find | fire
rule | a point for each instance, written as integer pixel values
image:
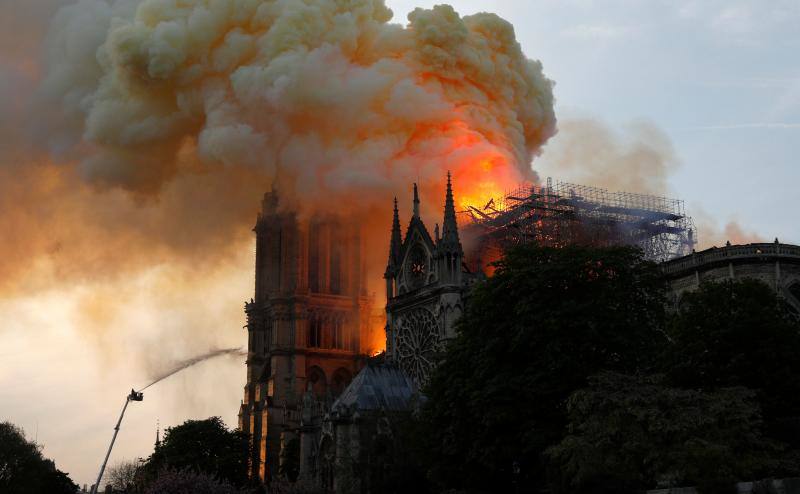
(484, 180)
(480, 194)
(374, 338)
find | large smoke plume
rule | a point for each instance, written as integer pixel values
(325, 94)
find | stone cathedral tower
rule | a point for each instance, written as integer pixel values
(305, 324)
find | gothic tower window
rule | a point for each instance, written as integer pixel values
(417, 266)
(313, 258)
(314, 332)
(336, 262)
(338, 334)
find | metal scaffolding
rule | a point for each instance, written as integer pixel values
(561, 213)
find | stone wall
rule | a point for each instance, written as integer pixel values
(776, 264)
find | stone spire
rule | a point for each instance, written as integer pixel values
(450, 240)
(416, 201)
(396, 241)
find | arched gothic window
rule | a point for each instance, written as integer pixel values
(316, 382)
(314, 331)
(341, 378)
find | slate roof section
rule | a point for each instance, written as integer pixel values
(380, 387)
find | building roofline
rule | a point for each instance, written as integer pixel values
(754, 252)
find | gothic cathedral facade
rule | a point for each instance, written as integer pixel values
(426, 284)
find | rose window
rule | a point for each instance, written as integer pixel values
(417, 341)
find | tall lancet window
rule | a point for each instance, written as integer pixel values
(313, 258)
(337, 246)
(314, 332)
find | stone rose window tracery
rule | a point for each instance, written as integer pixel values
(417, 341)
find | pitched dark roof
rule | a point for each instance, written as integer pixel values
(378, 387)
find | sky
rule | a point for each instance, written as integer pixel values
(721, 79)
(698, 100)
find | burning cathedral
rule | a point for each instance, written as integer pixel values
(315, 402)
(311, 387)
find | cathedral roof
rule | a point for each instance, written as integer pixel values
(378, 387)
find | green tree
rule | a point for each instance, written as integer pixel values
(202, 446)
(533, 334)
(23, 469)
(627, 434)
(740, 333)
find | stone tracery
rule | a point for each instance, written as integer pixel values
(418, 340)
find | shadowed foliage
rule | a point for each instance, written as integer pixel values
(739, 333)
(23, 469)
(188, 482)
(533, 334)
(203, 446)
(627, 434)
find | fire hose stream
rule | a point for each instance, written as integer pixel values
(139, 396)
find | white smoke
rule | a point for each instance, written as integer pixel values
(327, 91)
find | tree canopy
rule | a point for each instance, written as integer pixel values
(738, 333)
(533, 334)
(23, 468)
(629, 433)
(203, 446)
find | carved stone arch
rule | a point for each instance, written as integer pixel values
(316, 381)
(793, 290)
(680, 301)
(340, 380)
(440, 313)
(453, 313)
(793, 287)
(432, 277)
(327, 462)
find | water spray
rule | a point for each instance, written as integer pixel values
(139, 396)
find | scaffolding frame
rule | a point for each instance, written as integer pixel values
(561, 213)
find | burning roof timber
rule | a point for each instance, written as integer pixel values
(562, 213)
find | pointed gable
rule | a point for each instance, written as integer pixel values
(416, 232)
